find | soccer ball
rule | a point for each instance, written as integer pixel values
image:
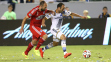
(86, 53)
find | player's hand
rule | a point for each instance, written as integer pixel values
(52, 12)
(21, 30)
(43, 25)
(84, 17)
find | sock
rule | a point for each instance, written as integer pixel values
(47, 46)
(30, 46)
(41, 41)
(63, 44)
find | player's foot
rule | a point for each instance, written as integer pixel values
(26, 56)
(67, 54)
(37, 52)
(41, 52)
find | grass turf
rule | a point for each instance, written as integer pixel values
(99, 53)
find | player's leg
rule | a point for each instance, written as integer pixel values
(62, 37)
(63, 44)
(30, 46)
(39, 33)
(51, 44)
(41, 41)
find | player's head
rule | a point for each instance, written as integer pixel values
(67, 8)
(105, 9)
(10, 7)
(60, 7)
(43, 5)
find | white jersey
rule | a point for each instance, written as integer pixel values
(57, 19)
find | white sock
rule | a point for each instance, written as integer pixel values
(65, 52)
(43, 49)
(63, 44)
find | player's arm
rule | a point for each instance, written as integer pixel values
(43, 21)
(47, 16)
(29, 15)
(49, 11)
(74, 14)
(22, 25)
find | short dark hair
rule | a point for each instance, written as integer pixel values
(42, 3)
(10, 6)
(105, 7)
(60, 5)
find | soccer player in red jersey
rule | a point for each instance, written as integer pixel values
(36, 15)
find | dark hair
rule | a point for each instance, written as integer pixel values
(10, 6)
(42, 3)
(105, 7)
(60, 5)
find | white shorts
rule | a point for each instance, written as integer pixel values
(55, 39)
(56, 32)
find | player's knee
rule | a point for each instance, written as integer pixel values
(34, 42)
(45, 36)
(55, 43)
(63, 37)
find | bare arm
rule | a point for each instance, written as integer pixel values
(74, 14)
(50, 11)
(43, 21)
(47, 16)
(23, 22)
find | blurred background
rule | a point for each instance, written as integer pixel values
(82, 34)
(93, 7)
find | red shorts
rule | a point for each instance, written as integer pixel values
(37, 32)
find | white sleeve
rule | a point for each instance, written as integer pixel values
(48, 16)
(67, 13)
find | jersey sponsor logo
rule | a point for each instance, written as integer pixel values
(69, 33)
(40, 17)
(59, 17)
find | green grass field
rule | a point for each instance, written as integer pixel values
(99, 53)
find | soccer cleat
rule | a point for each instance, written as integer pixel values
(37, 52)
(67, 54)
(41, 52)
(26, 56)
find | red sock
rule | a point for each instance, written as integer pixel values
(30, 46)
(41, 41)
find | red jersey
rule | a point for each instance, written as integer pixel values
(36, 16)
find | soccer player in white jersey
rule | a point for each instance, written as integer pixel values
(57, 19)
